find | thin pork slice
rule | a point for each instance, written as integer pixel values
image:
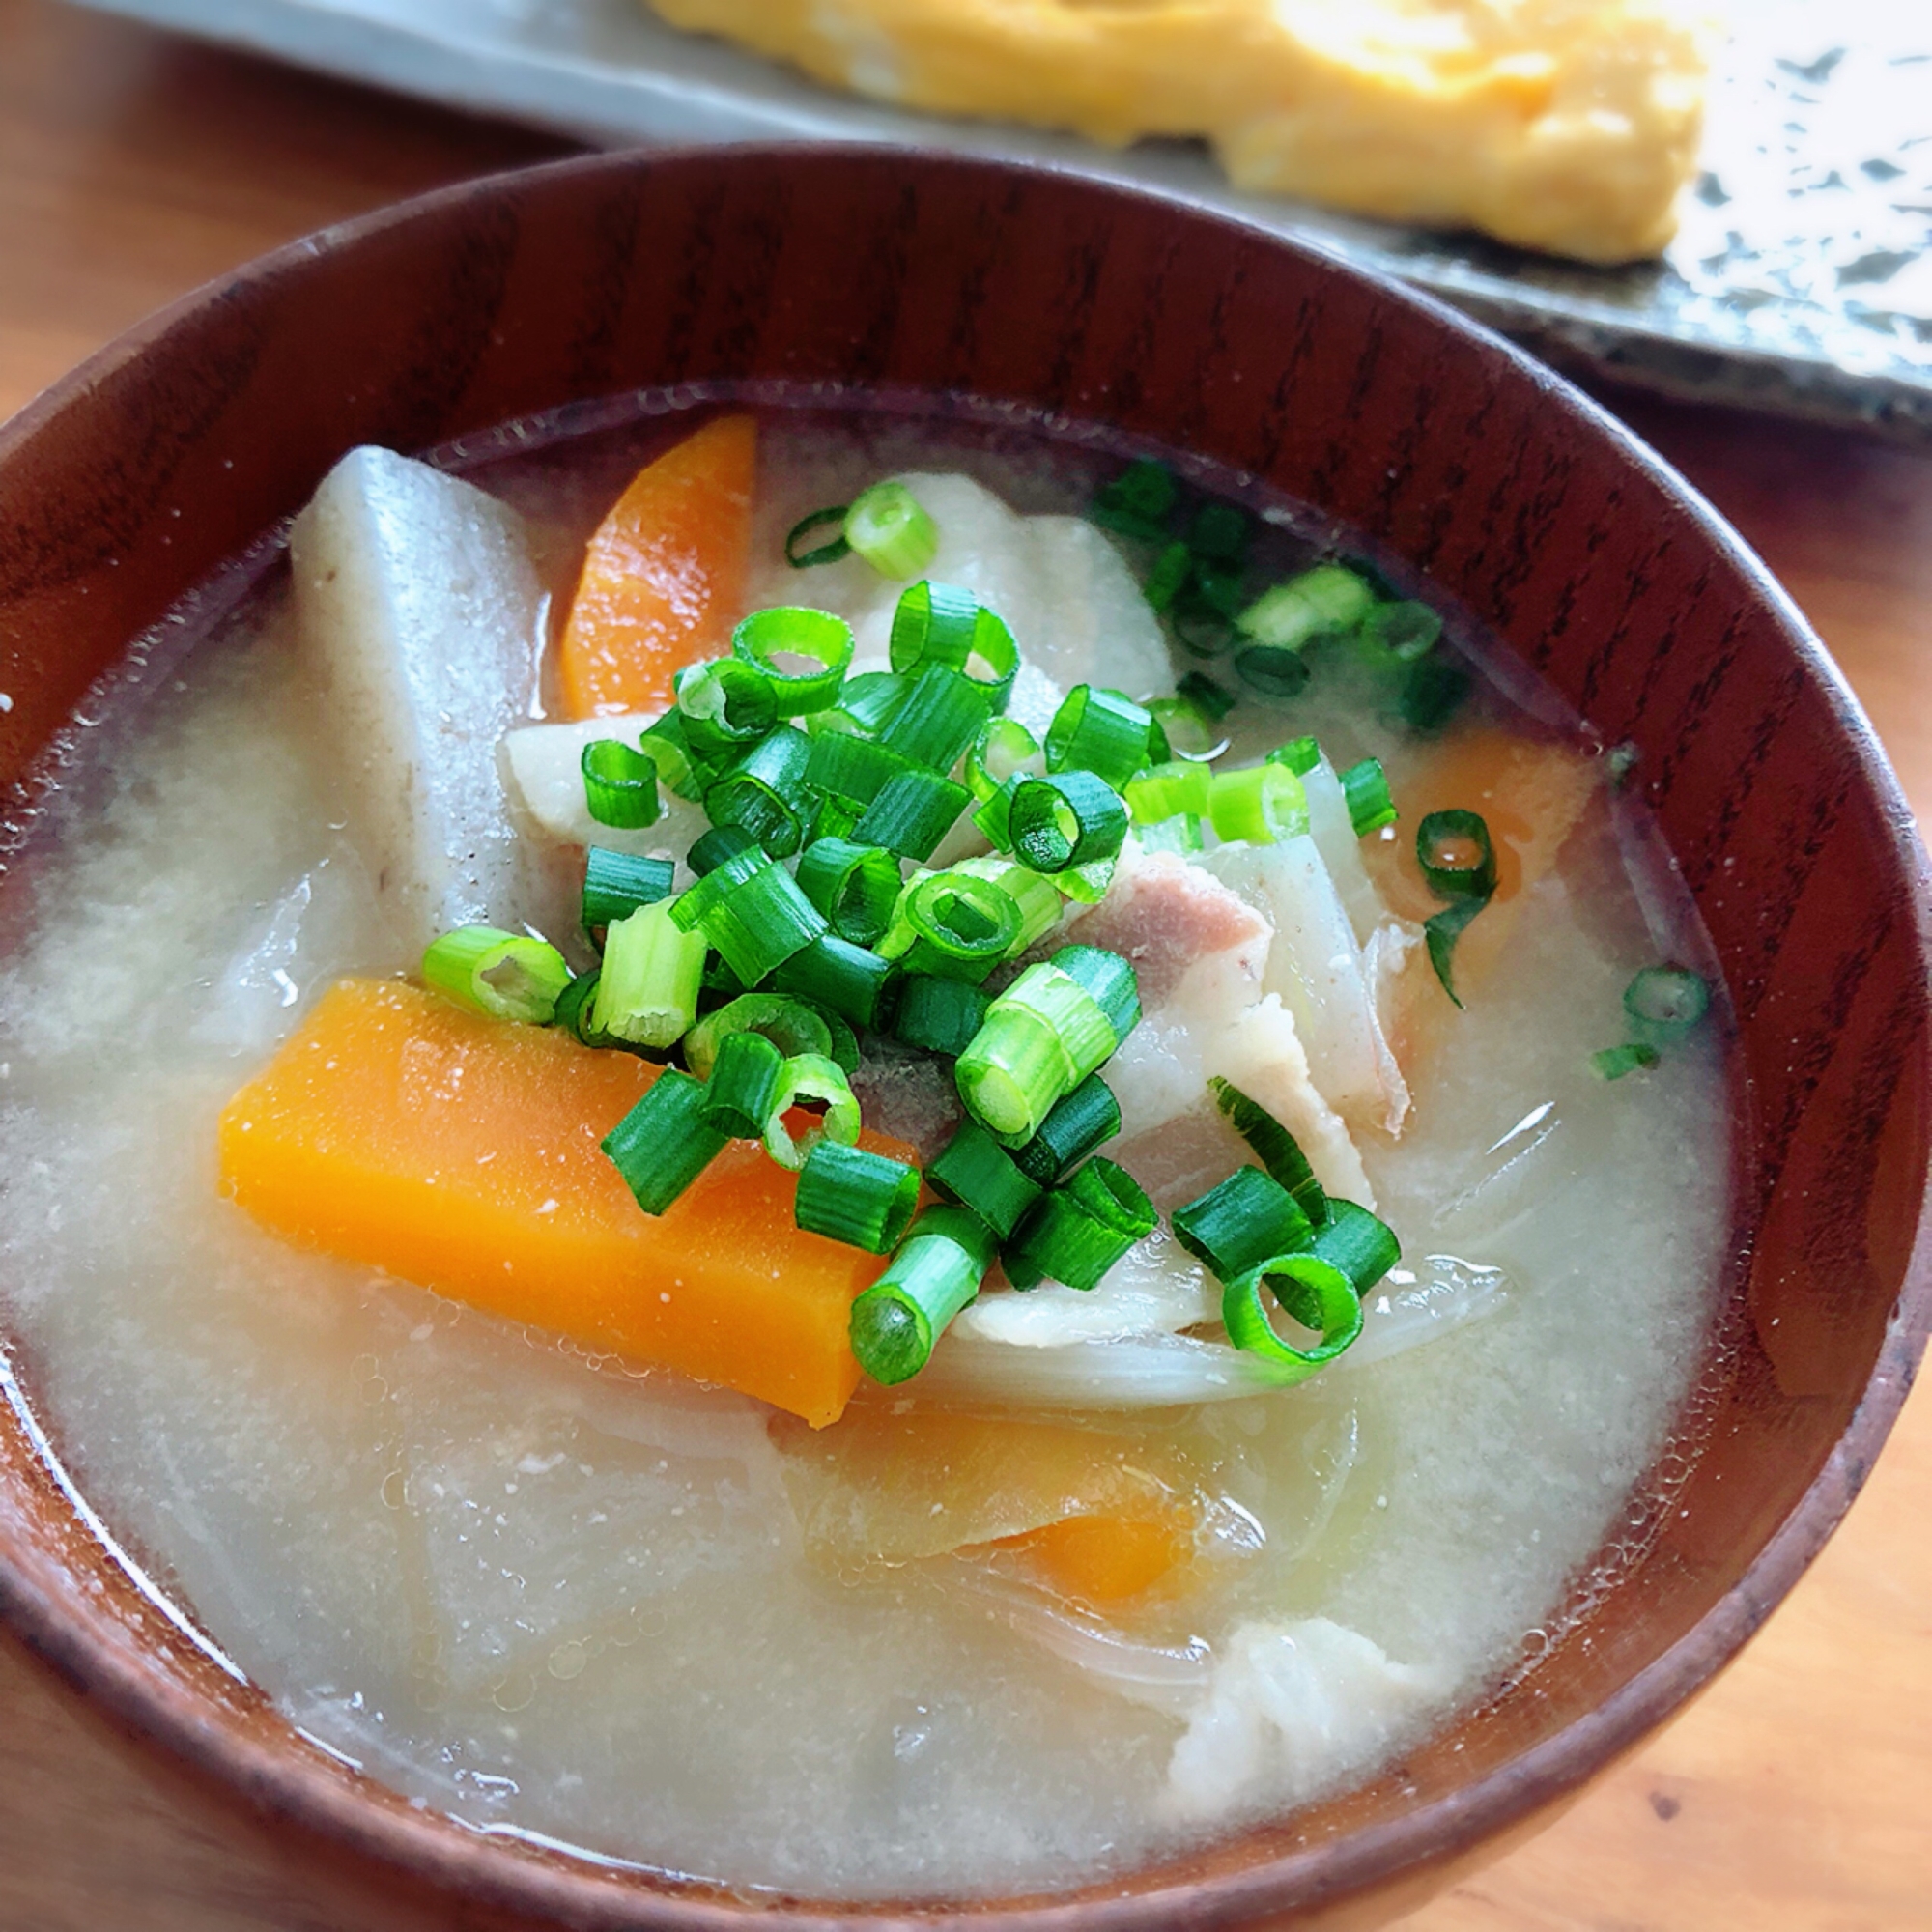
(422, 614)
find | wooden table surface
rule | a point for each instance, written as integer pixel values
(1795, 1797)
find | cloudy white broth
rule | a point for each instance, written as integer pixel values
(837, 1603)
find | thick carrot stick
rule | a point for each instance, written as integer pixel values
(463, 1154)
(664, 578)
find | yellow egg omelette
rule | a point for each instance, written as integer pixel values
(1569, 125)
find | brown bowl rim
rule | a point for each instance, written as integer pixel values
(304, 1786)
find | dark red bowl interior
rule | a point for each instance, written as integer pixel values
(947, 282)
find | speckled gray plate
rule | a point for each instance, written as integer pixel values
(1801, 281)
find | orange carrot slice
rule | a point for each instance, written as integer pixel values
(1100, 1518)
(461, 1152)
(664, 578)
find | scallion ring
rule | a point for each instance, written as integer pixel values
(1314, 1292)
(936, 1272)
(1614, 1062)
(847, 1194)
(1081, 1229)
(1065, 820)
(648, 984)
(1242, 1222)
(810, 1077)
(1458, 861)
(1365, 787)
(953, 925)
(806, 525)
(620, 785)
(764, 792)
(726, 705)
(912, 813)
(1262, 804)
(664, 1143)
(891, 531)
(745, 1087)
(1100, 731)
(508, 975)
(1003, 747)
(1667, 1001)
(854, 886)
(615, 884)
(804, 653)
(1278, 1150)
(790, 1025)
(975, 1171)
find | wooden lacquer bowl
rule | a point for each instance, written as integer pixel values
(939, 282)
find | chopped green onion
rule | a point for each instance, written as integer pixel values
(1459, 864)
(718, 983)
(913, 811)
(620, 786)
(812, 1076)
(1366, 789)
(1300, 755)
(944, 712)
(1279, 1152)
(1457, 858)
(1362, 1245)
(1100, 731)
(1056, 1023)
(1667, 1001)
(995, 818)
(1088, 885)
(727, 705)
(1614, 1062)
(854, 886)
(1432, 693)
(1220, 533)
(890, 528)
(851, 767)
(1036, 898)
(764, 792)
(727, 868)
(766, 639)
(1065, 820)
(711, 849)
(1316, 1294)
(1260, 804)
(792, 1026)
(573, 1012)
(936, 1272)
(615, 884)
(1171, 571)
(940, 1015)
(508, 975)
(1139, 500)
(669, 749)
(1406, 630)
(1181, 833)
(865, 704)
(1001, 749)
(664, 1143)
(1088, 1117)
(977, 1171)
(1206, 696)
(647, 991)
(844, 1048)
(745, 1086)
(1271, 671)
(1243, 1221)
(833, 972)
(952, 926)
(1180, 786)
(1186, 731)
(1109, 981)
(1081, 1229)
(846, 1194)
(833, 818)
(940, 625)
(1319, 603)
(755, 915)
(825, 553)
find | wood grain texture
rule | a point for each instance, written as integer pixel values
(130, 169)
